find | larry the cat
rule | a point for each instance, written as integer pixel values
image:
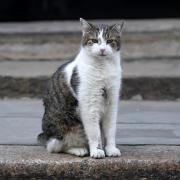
(81, 100)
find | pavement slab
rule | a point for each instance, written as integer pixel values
(139, 122)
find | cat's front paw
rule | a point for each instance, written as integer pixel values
(97, 153)
(112, 151)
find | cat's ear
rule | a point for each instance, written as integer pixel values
(118, 27)
(86, 27)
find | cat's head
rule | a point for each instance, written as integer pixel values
(101, 40)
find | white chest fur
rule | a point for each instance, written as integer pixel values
(99, 73)
(96, 75)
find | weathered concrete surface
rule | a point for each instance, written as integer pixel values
(136, 162)
(138, 122)
(58, 40)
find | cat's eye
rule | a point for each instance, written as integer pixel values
(94, 40)
(109, 41)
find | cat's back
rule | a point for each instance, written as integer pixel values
(58, 91)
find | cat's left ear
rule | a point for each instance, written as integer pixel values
(86, 26)
(118, 27)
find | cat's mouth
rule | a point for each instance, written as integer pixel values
(102, 54)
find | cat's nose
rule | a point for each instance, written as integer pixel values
(102, 51)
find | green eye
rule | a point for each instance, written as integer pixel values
(109, 41)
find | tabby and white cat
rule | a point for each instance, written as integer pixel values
(81, 101)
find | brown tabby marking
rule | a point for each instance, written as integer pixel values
(108, 33)
(60, 116)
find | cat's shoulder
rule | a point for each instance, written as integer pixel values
(63, 66)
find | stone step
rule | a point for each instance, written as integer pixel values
(142, 39)
(139, 122)
(153, 79)
(136, 162)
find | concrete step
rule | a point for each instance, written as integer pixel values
(136, 162)
(139, 122)
(148, 79)
(142, 39)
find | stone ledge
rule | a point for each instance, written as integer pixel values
(136, 162)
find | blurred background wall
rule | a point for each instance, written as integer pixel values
(30, 10)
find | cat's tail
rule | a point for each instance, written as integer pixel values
(42, 139)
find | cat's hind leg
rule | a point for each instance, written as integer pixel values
(75, 143)
(54, 145)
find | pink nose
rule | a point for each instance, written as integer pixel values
(102, 51)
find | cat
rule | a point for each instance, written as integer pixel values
(82, 96)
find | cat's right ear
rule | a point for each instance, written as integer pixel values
(118, 27)
(86, 27)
